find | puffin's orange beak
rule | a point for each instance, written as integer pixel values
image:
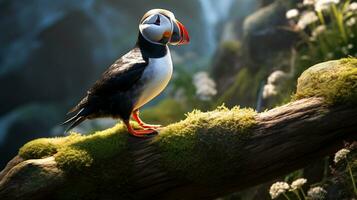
(180, 34)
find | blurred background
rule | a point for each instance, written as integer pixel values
(242, 52)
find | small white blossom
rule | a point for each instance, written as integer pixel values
(350, 46)
(318, 30)
(274, 79)
(353, 7)
(308, 2)
(306, 19)
(278, 188)
(291, 14)
(269, 91)
(205, 86)
(351, 22)
(322, 5)
(298, 183)
(341, 154)
(317, 193)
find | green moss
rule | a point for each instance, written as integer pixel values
(194, 147)
(232, 46)
(102, 161)
(76, 151)
(335, 81)
(72, 159)
(36, 149)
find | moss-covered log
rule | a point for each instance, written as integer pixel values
(207, 155)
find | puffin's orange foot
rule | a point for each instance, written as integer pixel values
(141, 123)
(138, 133)
(141, 133)
(150, 126)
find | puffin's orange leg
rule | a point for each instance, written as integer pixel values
(137, 133)
(141, 123)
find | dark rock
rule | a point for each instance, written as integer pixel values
(59, 69)
(265, 36)
(226, 65)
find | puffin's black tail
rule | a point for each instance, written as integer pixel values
(76, 119)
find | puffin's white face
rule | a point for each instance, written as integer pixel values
(160, 26)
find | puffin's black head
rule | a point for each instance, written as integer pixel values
(160, 26)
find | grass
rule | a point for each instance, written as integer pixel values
(336, 41)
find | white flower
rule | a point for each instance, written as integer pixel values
(269, 91)
(274, 79)
(350, 46)
(308, 2)
(317, 193)
(298, 183)
(351, 22)
(293, 13)
(276, 76)
(353, 7)
(306, 19)
(205, 86)
(341, 154)
(318, 30)
(322, 5)
(278, 188)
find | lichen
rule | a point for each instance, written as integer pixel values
(76, 151)
(205, 142)
(335, 81)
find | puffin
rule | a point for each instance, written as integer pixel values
(135, 78)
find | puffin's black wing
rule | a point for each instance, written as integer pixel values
(119, 77)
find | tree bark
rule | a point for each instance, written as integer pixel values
(285, 139)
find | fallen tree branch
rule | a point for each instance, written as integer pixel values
(204, 157)
(284, 139)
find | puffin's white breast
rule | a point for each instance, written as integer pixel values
(155, 78)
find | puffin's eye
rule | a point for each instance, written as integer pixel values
(157, 22)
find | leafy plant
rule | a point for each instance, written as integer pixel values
(327, 30)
